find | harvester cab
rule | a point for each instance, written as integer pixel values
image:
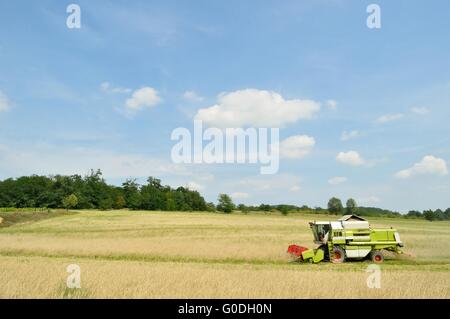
(321, 231)
(350, 237)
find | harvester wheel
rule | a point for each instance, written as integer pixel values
(377, 256)
(338, 255)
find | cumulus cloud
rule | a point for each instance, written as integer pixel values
(332, 104)
(142, 98)
(346, 136)
(107, 88)
(337, 180)
(240, 195)
(350, 158)
(4, 102)
(389, 118)
(258, 108)
(192, 97)
(297, 146)
(420, 110)
(295, 188)
(429, 165)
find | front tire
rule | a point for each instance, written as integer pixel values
(338, 255)
(377, 257)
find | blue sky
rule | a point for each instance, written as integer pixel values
(384, 139)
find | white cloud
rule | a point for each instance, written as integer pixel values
(369, 200)
(240, 195)
(4, 102)
(107, 88)
(346, 136)
(144, 97)
(332, 104)
(258, 108)
(350, 158)
(389, 118)
(296, 146)
(195, 186)
(192, 97)
(337, 180)
(420, 110)
(295, 188)
(429, 165)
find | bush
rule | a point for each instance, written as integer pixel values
(225, 204)
(70, 201)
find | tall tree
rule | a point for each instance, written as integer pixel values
(335, 206)
(351, 207)
(131, 193)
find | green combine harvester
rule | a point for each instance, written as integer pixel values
(348, 238)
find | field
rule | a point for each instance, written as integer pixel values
(126, 254)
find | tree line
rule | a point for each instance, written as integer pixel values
(335, 206)
(92, 192)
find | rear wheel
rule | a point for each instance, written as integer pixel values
(377, 257)
(338, 255)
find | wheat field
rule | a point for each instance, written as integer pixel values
(125, 254)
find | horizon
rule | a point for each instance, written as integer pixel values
(237, 203)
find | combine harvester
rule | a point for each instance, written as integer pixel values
(350, 237)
